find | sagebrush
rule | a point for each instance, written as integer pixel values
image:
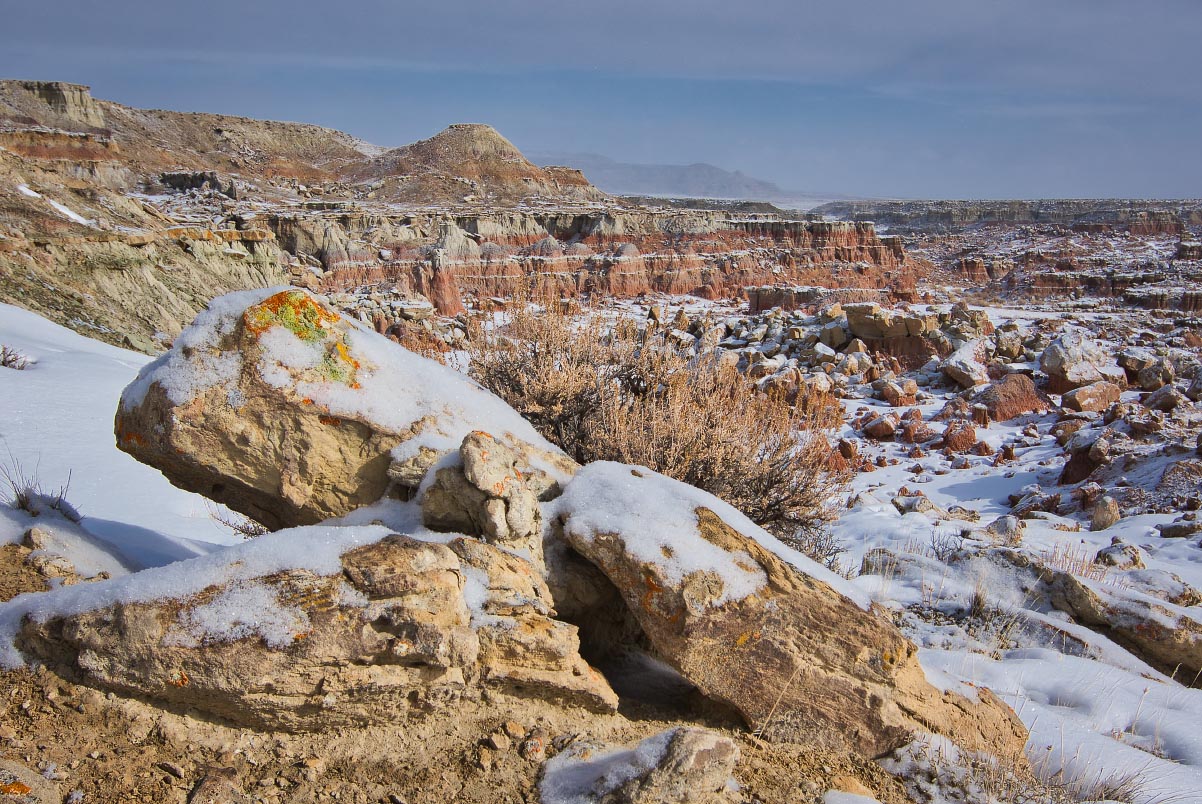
(625, 393)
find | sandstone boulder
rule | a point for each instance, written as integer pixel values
(390, 626)
(1105, 512)
(1011, 397)
(963, 366)
(1092, 398)
(1073, 360)
(789, 644)
(960, 436)
(274, 404)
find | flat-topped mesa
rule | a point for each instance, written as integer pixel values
(71, 103)
(615, 252)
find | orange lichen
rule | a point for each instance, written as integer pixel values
(14, 789)
(294, 310)
(180, 679)
(333, 421)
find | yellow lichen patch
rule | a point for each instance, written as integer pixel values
(294, 310)
(14, 789)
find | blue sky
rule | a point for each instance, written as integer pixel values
(922, 98)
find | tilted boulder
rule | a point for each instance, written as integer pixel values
(392, 626)
(1165, 635)
(758, 626)
(963, 366)
(274, 404)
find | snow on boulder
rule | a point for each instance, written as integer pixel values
(315, 628)
(791, 645)
(1072, 361)
(963, 367)
(274, 404)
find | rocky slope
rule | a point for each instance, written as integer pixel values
(492, 567)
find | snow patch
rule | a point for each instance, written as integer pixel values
(582, 775)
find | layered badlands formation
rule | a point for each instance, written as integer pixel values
(101, 203)
(612, 252)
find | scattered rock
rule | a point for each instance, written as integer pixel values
(963, 366)
(1120, 556)
(1105, 512)
(1011, 397)
(1180, 528)
(1093, 398)
(881, 427)
(1072, 360)
(1165, 399)
(960, 436)
(1006, 529)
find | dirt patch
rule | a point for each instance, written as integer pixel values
(15, 575)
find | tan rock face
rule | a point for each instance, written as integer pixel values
(408, 627)
(795, 657)
(284, 410)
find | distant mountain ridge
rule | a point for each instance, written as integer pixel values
(699, 180)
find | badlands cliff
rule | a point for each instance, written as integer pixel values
(121, 222)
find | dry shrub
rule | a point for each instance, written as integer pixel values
(11, 358)
(624, 394)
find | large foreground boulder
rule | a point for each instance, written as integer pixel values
(274, 404)
(789, 644)
(320, 628)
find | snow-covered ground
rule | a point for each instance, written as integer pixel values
(57, 425)
(1095, 710)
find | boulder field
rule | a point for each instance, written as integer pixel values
(433, 550)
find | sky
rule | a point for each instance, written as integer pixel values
(878, 98)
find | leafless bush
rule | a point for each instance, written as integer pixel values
(24, 492)
(240, 525)
(624, 394)
(11, 358)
